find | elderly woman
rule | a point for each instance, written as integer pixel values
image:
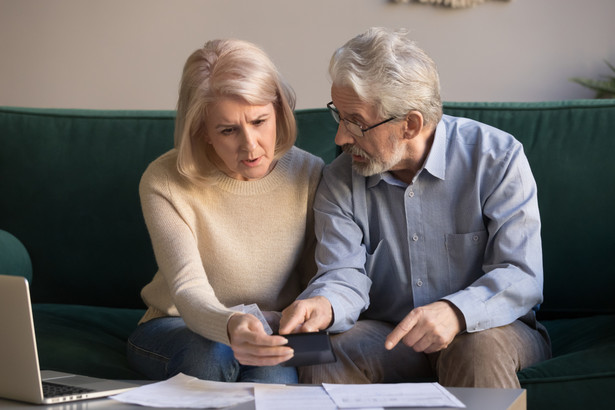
(229, 213)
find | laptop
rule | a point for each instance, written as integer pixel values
(20, 376)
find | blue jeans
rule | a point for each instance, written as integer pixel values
(164, 347)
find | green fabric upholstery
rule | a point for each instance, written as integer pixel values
(73, 179)
(583, 361)
(71, 220)
(87, 335)
(14, 257)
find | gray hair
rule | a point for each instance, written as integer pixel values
(386, 69)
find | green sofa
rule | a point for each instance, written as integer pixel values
(70, 221)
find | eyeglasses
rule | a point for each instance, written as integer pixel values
(352, 127)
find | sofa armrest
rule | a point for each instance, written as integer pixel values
(14, 257)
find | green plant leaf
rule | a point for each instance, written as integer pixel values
(596, 85)
(603, 88)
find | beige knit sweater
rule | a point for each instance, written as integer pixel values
(229, 243)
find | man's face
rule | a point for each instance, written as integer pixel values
(379, 149)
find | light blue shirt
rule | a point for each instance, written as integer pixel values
(467, 230)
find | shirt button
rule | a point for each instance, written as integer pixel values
(475, 238)
(415, 237)
(419, 283)
(411, 194)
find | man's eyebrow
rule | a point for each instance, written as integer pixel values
(355, 116)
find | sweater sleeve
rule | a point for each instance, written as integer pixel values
(181, 274)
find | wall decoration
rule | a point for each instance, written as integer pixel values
(447, 3)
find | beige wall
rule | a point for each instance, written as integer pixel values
(128, 54)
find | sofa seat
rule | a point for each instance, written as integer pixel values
(92, 338)
(583, 357)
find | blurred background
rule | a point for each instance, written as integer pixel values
(128, 54)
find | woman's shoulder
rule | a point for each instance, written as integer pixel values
(163, 170)
(164, 161)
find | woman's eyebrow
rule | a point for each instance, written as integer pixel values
(229, 124)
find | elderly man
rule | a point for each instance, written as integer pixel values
(429, 249)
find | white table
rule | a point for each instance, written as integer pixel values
(473, 398)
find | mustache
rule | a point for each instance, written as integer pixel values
(354, 150)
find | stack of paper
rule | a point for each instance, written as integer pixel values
(184, 391)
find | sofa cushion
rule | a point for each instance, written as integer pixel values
(583, 360)
(85, 340)
(71, 179)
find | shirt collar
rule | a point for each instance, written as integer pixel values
(435, 163)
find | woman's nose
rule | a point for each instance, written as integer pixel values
(249, 139)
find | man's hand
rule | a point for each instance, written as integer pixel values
(252, 345)
(306, 315)
(428, 328)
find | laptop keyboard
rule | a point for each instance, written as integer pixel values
(56, 390)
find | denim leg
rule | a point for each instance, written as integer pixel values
(164, 347)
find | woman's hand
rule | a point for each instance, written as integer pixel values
(252, 346)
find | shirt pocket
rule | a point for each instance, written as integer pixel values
(465, 254)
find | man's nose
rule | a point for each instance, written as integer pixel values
(342, 136)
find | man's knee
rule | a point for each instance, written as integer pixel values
(362, 358)
(487, 358)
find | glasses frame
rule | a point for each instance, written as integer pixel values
(336, 116)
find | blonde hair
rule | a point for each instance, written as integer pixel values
(227, 68)
(388, 70)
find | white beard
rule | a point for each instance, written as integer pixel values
(373, 165)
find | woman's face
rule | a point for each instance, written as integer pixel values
(243, 136)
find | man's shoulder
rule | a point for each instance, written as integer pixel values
(340, 168)
(341, 162)
(471, 134)
(305, 158)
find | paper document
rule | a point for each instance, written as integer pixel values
(280, 397)
(253, 309)
(354, 396)
(183, 391)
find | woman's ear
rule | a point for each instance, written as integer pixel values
(414, 124)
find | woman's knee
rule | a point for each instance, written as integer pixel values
(167, 347)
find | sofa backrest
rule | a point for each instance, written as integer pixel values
(69, 178)
(69, 191)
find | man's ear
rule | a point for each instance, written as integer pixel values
(414, 124)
